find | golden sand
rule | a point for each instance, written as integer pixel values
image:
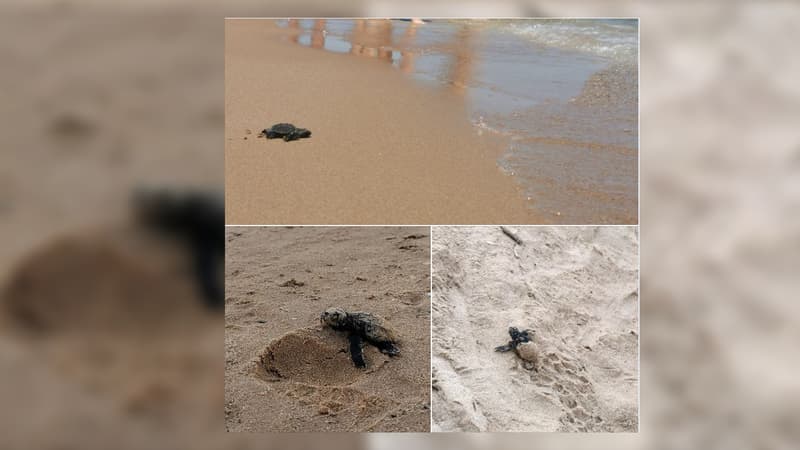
(384, 150)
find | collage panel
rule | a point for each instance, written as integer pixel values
(342, 127)
(535, 328)
(442, 121)
(327, 329)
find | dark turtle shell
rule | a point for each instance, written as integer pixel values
(286, 131)
(282, 129)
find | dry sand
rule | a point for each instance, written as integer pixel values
(283, 370)
(104, 342)
(104, 330)
(577, 288)
(383, 151)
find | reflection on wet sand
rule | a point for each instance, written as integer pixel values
(463, 60)
(318, 34)
(294, 25)
(374, 38)
(407, 57)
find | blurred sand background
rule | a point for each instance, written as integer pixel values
(284, 371)
(577, 288)
(719, 163)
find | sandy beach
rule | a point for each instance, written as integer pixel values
(468, 122)
(384, 150)
(577, 288)
(284, 371)
(144, 84)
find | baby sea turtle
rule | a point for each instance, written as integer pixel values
(361, 327)
(522, 344)
(286, 131)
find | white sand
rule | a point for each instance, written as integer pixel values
(577, 287)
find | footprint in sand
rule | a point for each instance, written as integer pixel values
(572, 387)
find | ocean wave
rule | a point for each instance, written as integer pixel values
(615, 39)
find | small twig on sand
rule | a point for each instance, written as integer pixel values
(510, 234)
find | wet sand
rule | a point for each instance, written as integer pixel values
(561, 95)
(384, 150)
(284, 371)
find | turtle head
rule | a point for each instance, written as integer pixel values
(333, 317)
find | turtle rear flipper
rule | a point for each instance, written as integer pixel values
(503, 348)
(356, 352)
(297, 134)
(388, 348)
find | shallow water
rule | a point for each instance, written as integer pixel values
(562, 93)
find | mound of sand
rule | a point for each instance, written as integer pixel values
(316, 356)
(577, 288)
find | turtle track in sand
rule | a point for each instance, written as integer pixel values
(567, 379)
(577, 288)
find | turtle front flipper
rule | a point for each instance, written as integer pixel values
(504, 348)
(356, 352)
(388, 348)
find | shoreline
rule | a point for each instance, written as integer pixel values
(565, 114)
(419, 161)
